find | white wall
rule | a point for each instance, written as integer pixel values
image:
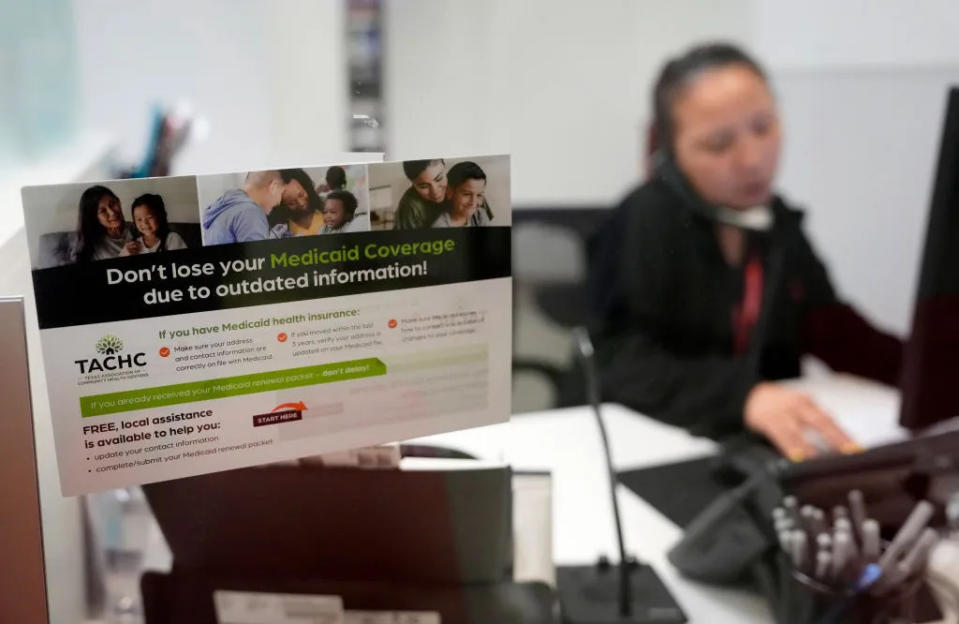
(270, 77)
(564, 87)
(559, 85)
(863, 86)
(861, 156)
(856, 33)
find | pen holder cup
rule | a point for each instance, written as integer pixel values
(821, 603)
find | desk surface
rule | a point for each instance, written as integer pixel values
(567, 443)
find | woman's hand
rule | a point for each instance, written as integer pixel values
(132, 247)
(784, 415)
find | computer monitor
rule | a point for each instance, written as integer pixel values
(23, 592)
(930, 374)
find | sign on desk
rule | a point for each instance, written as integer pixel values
(203, 323)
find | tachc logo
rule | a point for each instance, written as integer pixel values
(110, 346)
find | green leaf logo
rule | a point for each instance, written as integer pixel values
(109, 344)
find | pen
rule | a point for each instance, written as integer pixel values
(917, 557)
(910, 565)
(784, 524)
(799, 545)
(791, 505)
(839, 512)
(857, 511)
(870, 540)
(853, 548)
(823, 563)
(807, 514)
(908, 532)
(824, 542)
(819, 521)
(840, 556)
(784, 541)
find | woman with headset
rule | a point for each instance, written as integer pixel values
(707, 290)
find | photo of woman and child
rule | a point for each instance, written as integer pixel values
(306, 210)
(284, 203)
(435, 194)
(103, 232)
(87, 222)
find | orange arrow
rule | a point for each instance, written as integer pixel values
(294, 406)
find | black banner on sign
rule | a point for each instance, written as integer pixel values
(264, 272)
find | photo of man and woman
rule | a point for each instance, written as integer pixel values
(428, 193)
(283, 203)
(88, 222)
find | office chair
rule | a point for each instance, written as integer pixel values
(550, 297)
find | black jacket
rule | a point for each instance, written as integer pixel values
(664, 299)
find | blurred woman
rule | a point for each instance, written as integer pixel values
(707, 289)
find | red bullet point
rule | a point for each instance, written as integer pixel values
(164, 352)
(281, 337)
(392, 323)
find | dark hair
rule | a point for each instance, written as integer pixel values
(461, 172)
(347, 199)
(306, 182)
(89, 229)
(335, 178)
(413, 168)
(280, 213)
(155, 204)
(679, 71)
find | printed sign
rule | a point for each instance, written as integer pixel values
(197, 324)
